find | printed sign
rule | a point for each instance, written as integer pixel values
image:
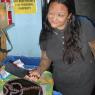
(25, 6)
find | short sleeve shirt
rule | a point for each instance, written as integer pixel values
(54, 46)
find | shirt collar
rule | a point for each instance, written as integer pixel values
(60, 32)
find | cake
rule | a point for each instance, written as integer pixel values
(21, 87)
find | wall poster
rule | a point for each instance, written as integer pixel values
(25, 6)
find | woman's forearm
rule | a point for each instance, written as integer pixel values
(44, 65)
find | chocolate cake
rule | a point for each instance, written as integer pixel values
(21, 87)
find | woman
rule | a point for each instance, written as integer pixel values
(64, 42)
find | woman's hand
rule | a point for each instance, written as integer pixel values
(33, 75)
(44, 65)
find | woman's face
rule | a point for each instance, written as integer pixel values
(58, 15)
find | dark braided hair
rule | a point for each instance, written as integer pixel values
(72, 51)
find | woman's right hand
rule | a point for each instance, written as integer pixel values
(33, 75)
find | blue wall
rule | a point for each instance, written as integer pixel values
(25, 34)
